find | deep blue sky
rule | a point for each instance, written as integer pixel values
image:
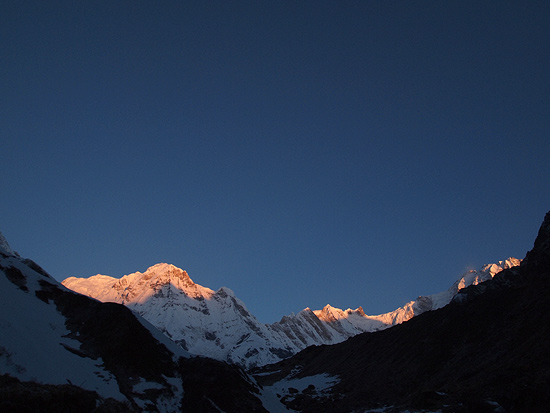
(300, 153)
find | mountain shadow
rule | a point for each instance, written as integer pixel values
(489, 350)
(50, 337)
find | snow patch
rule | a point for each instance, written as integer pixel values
(321, 383)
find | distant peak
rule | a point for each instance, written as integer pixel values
(168, 270)
(328, 309)
(224, 291)
(329, 313)
(495, 268)
(163, 267)
(5, 247)
(360, 311)
(510, 262)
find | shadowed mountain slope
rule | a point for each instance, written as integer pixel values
(63, 351)
(489, 350)
(217, 324)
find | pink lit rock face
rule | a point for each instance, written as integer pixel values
(217, 324)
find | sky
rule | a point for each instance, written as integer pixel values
(357, 153)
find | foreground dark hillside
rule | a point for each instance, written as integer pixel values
(489, 350)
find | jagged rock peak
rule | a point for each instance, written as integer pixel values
(329, 313)
(540, 254)
(495, 268)
(359, 311)
(5, 247)
(542, 242)
(328, 309)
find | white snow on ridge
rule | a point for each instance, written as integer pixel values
(441, 299)
(217, 324)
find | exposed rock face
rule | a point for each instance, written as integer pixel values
(539, 257)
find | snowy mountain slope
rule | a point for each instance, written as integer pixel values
(204, 322)
(35, 344)
(50, 335)
(439, 300)
(217, 324)
(58, 347)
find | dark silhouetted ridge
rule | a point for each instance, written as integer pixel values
(489, 350)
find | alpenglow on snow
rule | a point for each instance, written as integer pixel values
(217, 324)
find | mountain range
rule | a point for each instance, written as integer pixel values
(488, 349)
(217, 324)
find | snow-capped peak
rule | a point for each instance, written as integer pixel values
(5, 247)
(168, 270)
(493, 269)
(474, 277)
(163, 273)
(159, 280)
(329, 313)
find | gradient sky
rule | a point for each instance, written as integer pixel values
(357, 153)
